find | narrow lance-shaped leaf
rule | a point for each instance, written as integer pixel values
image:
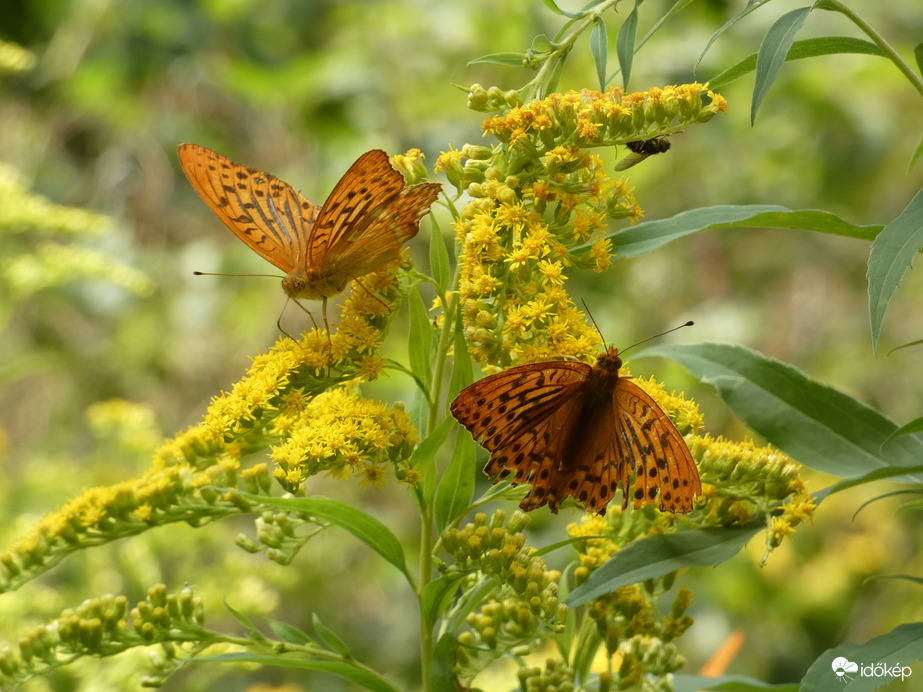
(807, 48)
(438, 257)
(811, 422)
(625, 43)
(650, 235)
(366, 528)
(457, 484)
(772, 53)
(891, 256)
(420, 340)
(599, 49)
(654, 556)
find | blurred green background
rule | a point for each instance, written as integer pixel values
(300, 90)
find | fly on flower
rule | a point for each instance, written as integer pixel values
(641, 149)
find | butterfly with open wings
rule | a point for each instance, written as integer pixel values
(568, 428)
(368, 216)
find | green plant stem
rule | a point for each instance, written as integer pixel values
(446, 339)
(877, 39)
(565, 44)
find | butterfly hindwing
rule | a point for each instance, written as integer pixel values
(655, 450)
(263, 211)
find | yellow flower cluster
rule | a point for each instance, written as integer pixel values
(342, 434)
(590, 118)
(535, 199)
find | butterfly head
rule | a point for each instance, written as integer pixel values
(313, 285)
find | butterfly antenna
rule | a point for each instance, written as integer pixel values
(638, 343)
(593, 320)
(270, 276)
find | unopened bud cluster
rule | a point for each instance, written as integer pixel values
(276, 534)
(489, 548)
(103, 627)
(556, 677)
(630, 612)
(648, 661)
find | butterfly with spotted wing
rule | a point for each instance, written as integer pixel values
(368, 216)
(568, 428)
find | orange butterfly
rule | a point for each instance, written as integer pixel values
(361, 227)
(572, 429)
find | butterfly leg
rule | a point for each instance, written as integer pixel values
(329, 339)
(356, 279)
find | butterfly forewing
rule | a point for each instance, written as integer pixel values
(368, 216)
(263, 211)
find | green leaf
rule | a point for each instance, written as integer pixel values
(918, 56)
(907, 345)
(361, 676)
(650, 235)
(424, 456)
(509, 59)
(654, 556)
(442, 667)
(550, 4)
(437, 593)
(727, 683)
(291, 634)
(462, 374)
(241, 618)
(599, 49)
(811, 422)
(329, 638)
(420, 340)
(772, 53)
(554, 78)
(912, 428)
(904, 577)
(625, 44)
(891, 256)
(915, 156)
(899, 647)
(457, 485)
(872, 476)
(366, 528)
(439, 258)
(751, 6)
(808, 48)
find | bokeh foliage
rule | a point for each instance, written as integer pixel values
(301, 89)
